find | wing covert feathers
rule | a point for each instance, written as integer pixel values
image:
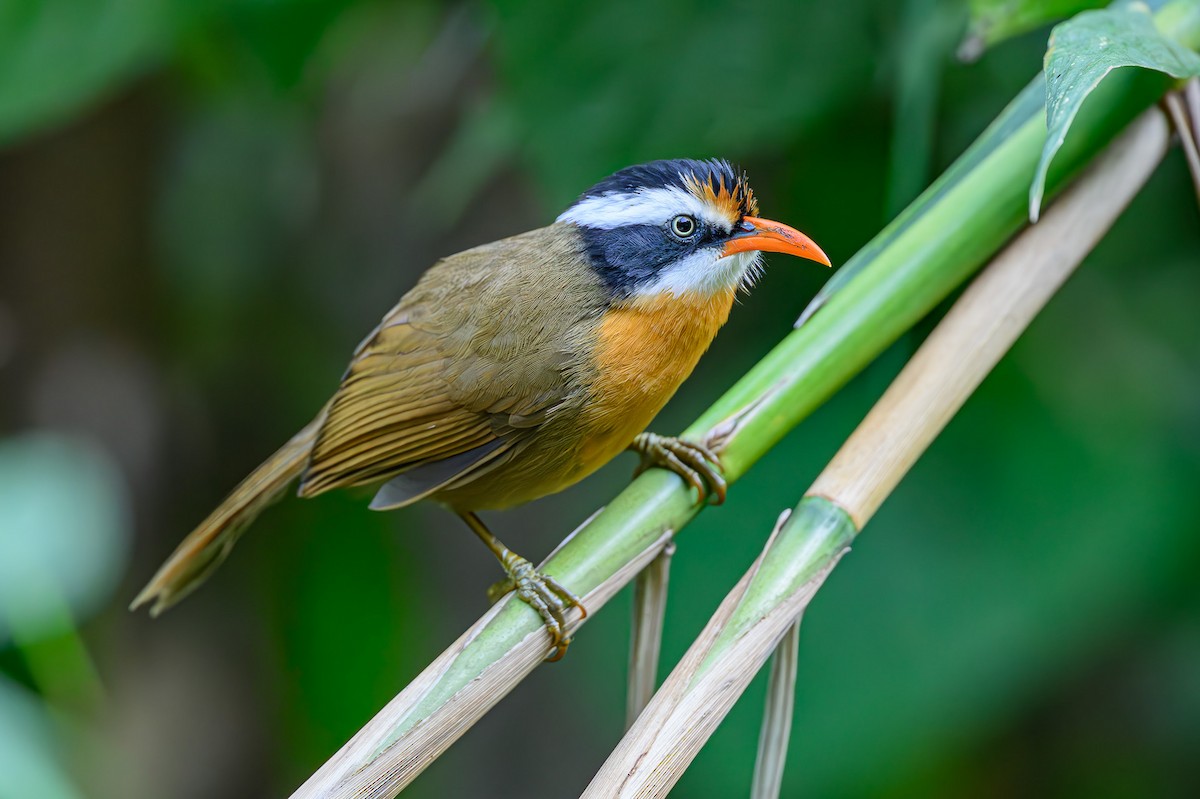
(393, 411)
(454, 383)
(455, 377)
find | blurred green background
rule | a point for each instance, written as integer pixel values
(204, 206)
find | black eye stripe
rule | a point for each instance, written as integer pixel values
(630, 255)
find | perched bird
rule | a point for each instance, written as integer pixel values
(514, 369)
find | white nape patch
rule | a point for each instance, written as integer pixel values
(641, 207)
(705, 272)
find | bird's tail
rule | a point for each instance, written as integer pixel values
(199, 555)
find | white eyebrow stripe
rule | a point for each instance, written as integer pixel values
(642, 207)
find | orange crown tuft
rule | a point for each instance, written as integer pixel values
(735, 201)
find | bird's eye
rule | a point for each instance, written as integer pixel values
(683, 226)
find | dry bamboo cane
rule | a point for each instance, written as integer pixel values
(649, 612)
(1183, 107)
(1191, 96)
(777, 717)
(947, 368)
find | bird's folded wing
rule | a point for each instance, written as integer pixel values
(417, 397)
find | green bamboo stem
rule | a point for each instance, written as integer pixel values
(947, 368)
(944, 236)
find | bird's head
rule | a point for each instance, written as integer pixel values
(679, 226)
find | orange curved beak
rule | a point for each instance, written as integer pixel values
(766, 236)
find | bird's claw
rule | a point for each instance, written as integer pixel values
(697, 464)
(550, 598)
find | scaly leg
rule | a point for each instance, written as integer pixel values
(542, 592)
(697, 464)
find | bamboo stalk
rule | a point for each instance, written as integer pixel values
(984, 323)
(947, 368)
(649, 612)
(777, 717)
(728, 653)
(399, 742)
(893, 281)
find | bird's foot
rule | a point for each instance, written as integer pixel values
(543, 593)
(697, 464)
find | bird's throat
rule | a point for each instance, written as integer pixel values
(645, 348)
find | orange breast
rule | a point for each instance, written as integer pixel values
(644, 351)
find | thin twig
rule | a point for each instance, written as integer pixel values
(950, 364)
(649, 611)
(1189, 135)
(777, 717)
(1191, 96)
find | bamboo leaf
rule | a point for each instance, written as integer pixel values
(993, 21)
(29, 760)
(108, 44)
(1083, 51)
(62, 558)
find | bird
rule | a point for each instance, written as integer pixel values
(513, 370)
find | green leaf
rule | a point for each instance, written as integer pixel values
(993, 21)
(660, 82)
(1085, 49)
(64, 532)
(57, 55)
(927, 30)
(29, 762)
(284, 36)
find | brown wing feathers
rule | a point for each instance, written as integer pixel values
(455, 377)
(450, 386)
(393, 411)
